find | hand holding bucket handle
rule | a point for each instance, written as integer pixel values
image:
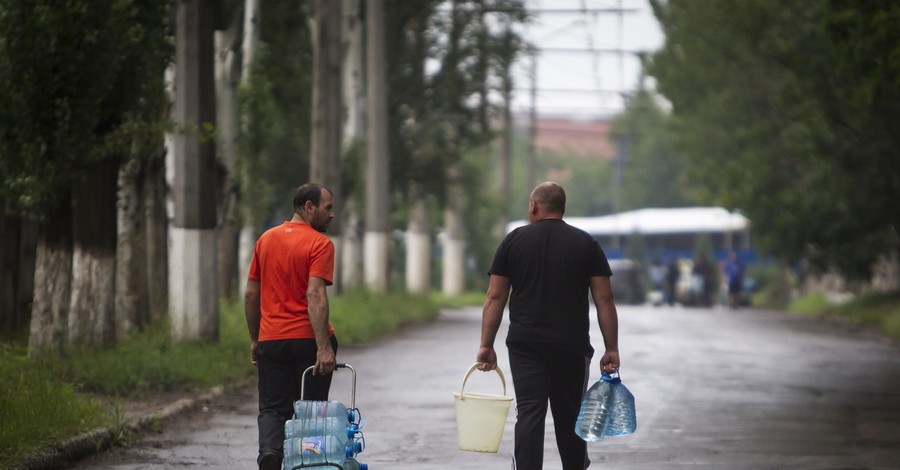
(472, 369)
(481, 417)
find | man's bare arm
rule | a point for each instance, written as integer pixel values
(602, 293)
(317, 302)
(253, 314)
(492, 314)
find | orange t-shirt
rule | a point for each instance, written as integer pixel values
(285, 258)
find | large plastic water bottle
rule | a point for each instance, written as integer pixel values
(622, 416)
(306, 409)
(353, 464)
(593, 417)
(316, 450)
(338, 427)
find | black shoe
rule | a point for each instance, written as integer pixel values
(270, 461)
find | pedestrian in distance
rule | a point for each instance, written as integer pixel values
(549, 266)
(734, 273)
(286, 305)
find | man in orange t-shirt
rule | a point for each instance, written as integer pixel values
(286, 306)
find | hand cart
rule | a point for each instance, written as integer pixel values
(352, 407)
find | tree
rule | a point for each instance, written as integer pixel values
(75, 81)
(652, 169)
(785, 110)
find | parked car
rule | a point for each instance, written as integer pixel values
(628, 283)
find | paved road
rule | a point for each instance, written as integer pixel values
(714, 389)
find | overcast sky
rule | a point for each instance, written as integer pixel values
(569, 83)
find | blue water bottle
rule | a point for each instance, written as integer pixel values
(622, 416)
(593, 417)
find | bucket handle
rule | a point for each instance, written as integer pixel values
(472, 369)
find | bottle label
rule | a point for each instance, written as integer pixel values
(313, 445)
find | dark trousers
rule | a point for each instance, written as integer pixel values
(545, 372)
(280, 364)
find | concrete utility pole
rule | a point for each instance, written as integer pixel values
(376, 242)
(193, 297)
(327, 146)
(353, 85)
(249, 228)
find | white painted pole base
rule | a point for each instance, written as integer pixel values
(418, 262)
(351, 262)
(453, 278)
(193, 290)
(376, 246)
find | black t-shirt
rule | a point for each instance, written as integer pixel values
(549, 264)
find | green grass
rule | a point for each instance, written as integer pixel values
(467, 299)
(360, 316)
(812, 304)
(54, 398)
(881, 310)
(38, 408)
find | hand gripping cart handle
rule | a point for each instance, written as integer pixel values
(352, 406)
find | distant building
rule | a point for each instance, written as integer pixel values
(585, 139)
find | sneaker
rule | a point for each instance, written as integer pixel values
(270, 461)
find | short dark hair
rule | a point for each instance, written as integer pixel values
(308, 192)
(551, 196)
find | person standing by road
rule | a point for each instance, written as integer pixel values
(549, 266)
(286, 306)
(734, 273)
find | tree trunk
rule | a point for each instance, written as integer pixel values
(228, 75)
(327, 148)
(157, 237)
(131, 298)
(418, 243)
(10, 240)
(193, 297)
(249, 226)
(453, 279)
(353, 85)
(377, 236)
(92, 302)
(52, 284)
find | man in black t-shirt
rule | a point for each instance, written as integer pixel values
(549, 266)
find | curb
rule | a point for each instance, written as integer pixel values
(64, 453)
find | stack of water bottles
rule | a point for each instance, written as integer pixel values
(323, 434)
(607, 409)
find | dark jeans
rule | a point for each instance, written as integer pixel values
(542, 372)
(280, 364)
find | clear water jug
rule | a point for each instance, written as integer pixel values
(307, 409)
(338, 427)
(593, 417)
(622, 415)
(316, 450)
(353, 464)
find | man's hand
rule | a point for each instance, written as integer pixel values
(325, 361)
(609, 363)
(487, 357)
(253, 346)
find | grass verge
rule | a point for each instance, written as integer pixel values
(881, 310)
(43, 401)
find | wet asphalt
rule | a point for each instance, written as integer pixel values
(714, 388)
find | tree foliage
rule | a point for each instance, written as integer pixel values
(787, 111)
(446, 61)
(652, 170)
(79, 82)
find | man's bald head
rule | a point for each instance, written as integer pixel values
(550, 197)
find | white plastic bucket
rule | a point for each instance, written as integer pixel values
(481, 417)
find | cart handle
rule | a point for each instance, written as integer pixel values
(340, 365)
